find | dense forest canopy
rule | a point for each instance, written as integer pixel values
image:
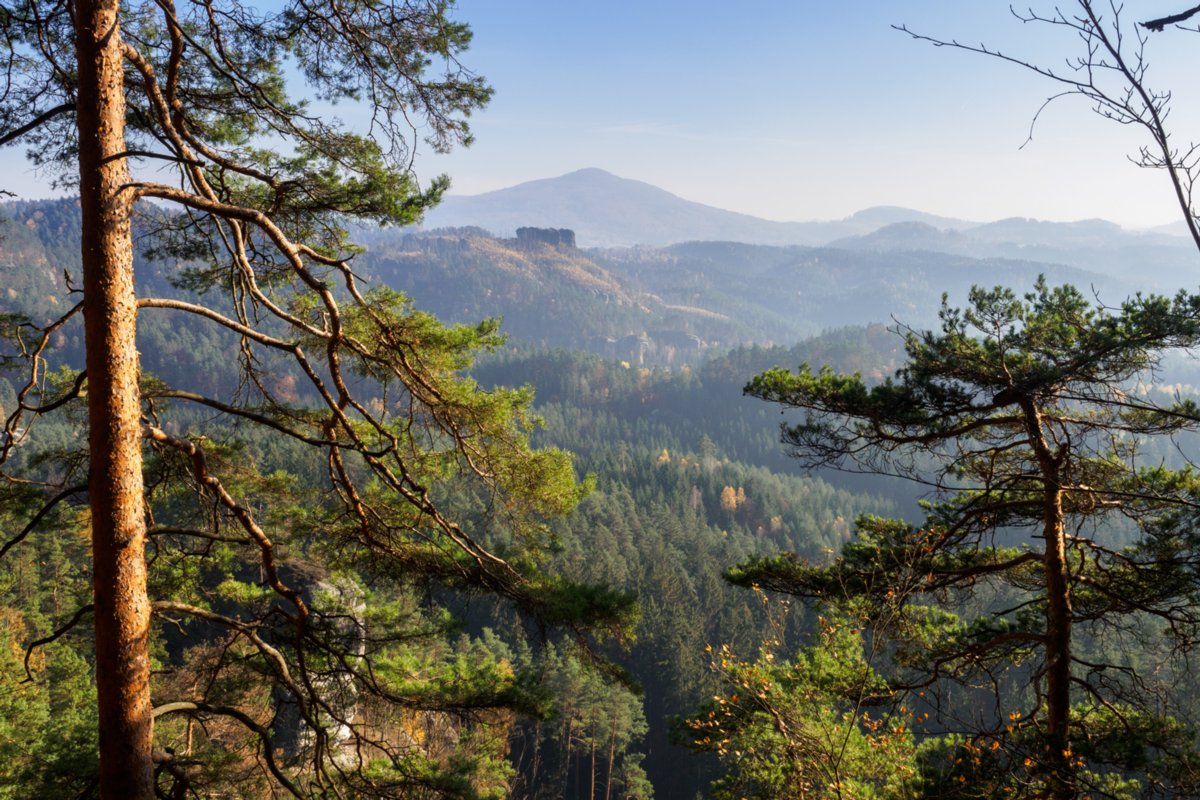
(270, 527)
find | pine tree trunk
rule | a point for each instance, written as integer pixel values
(122, 610)
(1058, 654)
(1060, 776)
(567, 727)
(592, 792)
(537, 758)
(612, 754)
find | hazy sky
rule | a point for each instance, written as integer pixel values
(799, 109)
(802, 110)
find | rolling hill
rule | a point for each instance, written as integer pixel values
(608, 211)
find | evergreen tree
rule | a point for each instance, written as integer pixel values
(301, 603)
(1054, 554)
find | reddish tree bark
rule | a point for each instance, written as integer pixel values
(122, 609)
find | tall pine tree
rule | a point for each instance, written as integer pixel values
(1058, 547)
(301, 600)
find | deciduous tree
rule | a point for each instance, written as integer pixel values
(813, 724)
(1109, 70)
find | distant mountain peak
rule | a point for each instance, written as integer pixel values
(589, 172)
(877, 217)
(608, 210)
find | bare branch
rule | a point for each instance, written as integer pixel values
(36, 643)
(267, 747)
(273, 655)
(40, 515)
(40, 119)
(240, 512)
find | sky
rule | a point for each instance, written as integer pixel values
(801, 109)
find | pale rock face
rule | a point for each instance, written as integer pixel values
(343, 604)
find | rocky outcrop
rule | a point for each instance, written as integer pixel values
(556, 237)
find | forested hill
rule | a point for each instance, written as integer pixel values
(680, 408)
(548, 295)
(651, 306)
(689, 480)
(638, 358)
(671, 305)
(789, 293)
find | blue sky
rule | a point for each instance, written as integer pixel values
(805, 110)
(800, 109)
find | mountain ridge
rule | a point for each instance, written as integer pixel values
(606, 210)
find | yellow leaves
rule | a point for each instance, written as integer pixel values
(13, 632)
(872, 725)
(729, 499)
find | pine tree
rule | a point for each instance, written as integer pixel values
(426, 479)
(1053, 532)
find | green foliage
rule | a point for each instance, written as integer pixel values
(340, 446)
(589, 738)
(808, 726)
(1048, 538)
(1052, 347)
(47, 718)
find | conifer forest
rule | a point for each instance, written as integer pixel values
(320, 481)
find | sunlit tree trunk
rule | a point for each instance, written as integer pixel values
(1058, 649)
(122, 610)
